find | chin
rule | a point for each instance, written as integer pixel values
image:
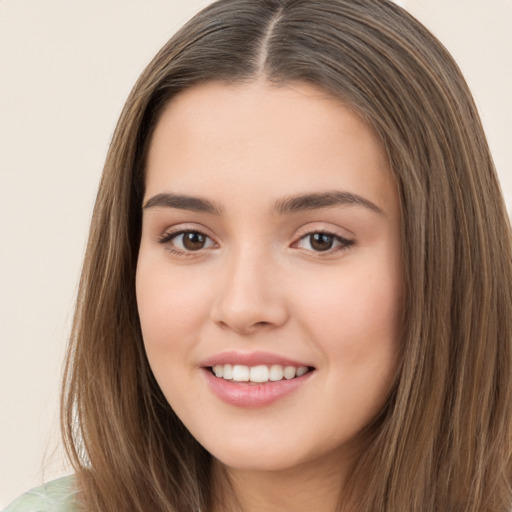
(261, 456)
(263, 462)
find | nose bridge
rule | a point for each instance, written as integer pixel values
(249, 295)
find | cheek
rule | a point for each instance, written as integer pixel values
(356, 318)
(164, 297)
(361, 300)
(173, 307)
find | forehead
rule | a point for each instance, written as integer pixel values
(274, 140)
(210, 108)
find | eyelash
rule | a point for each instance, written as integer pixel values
(168, 237)
(343, 243)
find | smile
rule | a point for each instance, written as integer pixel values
(258, 374)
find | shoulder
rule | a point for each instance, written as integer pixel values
(56, 496)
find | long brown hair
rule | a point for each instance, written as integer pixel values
(442, 443)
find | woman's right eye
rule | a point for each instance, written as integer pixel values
(187, 241)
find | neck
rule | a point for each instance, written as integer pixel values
(300, 489)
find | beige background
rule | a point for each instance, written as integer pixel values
(66, 67)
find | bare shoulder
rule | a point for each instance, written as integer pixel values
(55, 496)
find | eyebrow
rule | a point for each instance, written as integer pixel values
(323, 200)
(283, 206)
(183, 202)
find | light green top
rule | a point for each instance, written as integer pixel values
(56, 496)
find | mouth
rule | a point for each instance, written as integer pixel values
(259, 374)
(255, 379)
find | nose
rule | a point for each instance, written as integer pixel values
(251, 295)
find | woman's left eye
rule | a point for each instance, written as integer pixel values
(323, 242)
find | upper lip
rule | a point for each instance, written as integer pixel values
(251, 359)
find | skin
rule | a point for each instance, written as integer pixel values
(259, 284)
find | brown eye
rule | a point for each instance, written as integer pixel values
(193, 241)
(321, 241)
(187, 241)
(324, 242)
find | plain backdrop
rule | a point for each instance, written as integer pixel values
(66, 67)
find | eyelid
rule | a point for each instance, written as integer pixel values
(325, 227)
(174, 231)
(183, 228)
(345, 242)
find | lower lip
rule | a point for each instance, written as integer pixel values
(253, 395)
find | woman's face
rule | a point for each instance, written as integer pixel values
(270, 251)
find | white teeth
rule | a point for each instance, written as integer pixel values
(289, 372)
(240, 373)
(276, 372)
(260, 373)
(301, 371)
(228, 372)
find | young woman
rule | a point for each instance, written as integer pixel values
(297, 288)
